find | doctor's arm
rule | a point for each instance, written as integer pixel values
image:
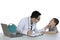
(20, 27)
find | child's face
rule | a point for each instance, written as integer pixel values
(52, 23)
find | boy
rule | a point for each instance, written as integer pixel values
(52, 29)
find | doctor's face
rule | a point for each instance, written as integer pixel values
(37, 19)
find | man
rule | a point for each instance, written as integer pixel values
(28, 25)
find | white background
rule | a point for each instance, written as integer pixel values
(12, 11)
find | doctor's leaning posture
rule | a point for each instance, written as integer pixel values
(28, 25)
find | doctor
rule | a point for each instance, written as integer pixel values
(28, 25)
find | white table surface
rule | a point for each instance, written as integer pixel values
(43, 37)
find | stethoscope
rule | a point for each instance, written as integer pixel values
(30, 26)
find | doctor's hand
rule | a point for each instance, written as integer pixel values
(29, 32)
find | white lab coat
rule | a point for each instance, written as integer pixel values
(25, 25)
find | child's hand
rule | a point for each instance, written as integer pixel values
(48, 25)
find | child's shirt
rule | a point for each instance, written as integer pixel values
(53, 29)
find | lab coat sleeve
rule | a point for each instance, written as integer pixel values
(20, 26)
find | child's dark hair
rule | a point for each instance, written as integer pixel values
(35, 14)
(56, 21)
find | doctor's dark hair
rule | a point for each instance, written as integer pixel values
(56, 21)
(35, 14)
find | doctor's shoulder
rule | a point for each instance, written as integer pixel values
(24, 19)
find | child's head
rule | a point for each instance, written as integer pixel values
(54, 22)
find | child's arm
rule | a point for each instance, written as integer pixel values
(47, 26)
(44, 29)
(50, 32)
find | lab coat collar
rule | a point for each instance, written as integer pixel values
(29, 20)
